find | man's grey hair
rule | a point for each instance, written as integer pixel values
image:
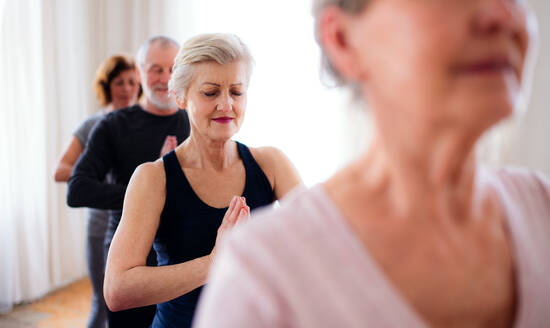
(164, 41)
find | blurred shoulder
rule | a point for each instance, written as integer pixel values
(84, 129)
(526, 193)
(93, 119)
(523, 179)
(303, 216)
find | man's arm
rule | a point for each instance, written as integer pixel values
(87, 186)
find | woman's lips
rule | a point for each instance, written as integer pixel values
(223, 120)
(487, 66)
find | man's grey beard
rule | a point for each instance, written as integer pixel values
(159, 104)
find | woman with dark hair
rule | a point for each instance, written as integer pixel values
(116, 86)
(115, 83)
(416, 231)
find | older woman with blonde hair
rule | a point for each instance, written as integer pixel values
(184, 203)
(415, 232)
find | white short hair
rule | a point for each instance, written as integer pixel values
(217, 47)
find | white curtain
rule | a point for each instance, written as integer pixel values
(49, 51)
(25, 208)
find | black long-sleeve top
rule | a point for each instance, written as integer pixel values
(120, 142)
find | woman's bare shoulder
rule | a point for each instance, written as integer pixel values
(150, 173)
(266, 154)
(268, 159)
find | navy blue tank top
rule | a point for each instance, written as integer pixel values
(188, 228)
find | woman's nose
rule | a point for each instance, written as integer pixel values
(225, 103)
(501, 16)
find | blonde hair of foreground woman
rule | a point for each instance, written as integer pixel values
(415, 232)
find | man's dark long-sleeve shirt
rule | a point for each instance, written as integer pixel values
(120, 142)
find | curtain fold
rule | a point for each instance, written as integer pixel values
(25, 226)
(49, 52)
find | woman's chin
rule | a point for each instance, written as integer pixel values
(221, 137)
(483, 114)
(498, 109)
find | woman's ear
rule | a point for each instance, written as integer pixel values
(335, 39)
(182, 103)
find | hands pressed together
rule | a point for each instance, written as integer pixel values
(237, 213)
(170, 143)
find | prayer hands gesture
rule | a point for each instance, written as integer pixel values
(170, 143)
(237, 213)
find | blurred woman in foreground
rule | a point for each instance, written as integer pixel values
(415, 232)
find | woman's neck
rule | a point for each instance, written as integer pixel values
(201, 152)
(107, 109)
(433, 175)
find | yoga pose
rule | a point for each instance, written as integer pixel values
(184, 203)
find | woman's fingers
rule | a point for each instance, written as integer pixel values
(233, 216)
(237, 213)
(238, 210)
(244, 215)
(227, 216)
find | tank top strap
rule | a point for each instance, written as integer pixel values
(256, 180)
(244, 153)
(248, 160)
(174, 173)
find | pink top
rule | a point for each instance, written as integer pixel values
(302, 266)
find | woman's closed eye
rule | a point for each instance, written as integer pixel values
(214, 93)
(210, 93)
